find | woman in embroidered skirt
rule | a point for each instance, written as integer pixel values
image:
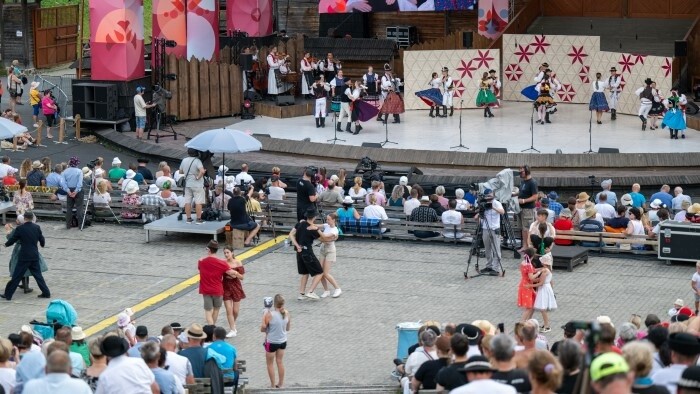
(485, 98)
(598, 102)
(544, 101)
(674, 118)
(526, 292)
(545, 300)
(432, 96)
(657, 107)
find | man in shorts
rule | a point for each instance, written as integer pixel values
(140, 108)
(211, 272)
(527, 195)
(193, 171)
(302, 236)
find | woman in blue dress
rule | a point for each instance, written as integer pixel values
(674, 117)
(598, 102)
(432, 96)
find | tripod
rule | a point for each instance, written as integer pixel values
(474, 250)
(335, 129)
(89, 199)
(386, 132)
(532, 132)
(460, 129)
(590, 135)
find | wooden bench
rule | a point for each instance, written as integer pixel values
(610, 242)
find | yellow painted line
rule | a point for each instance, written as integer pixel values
(92, 330)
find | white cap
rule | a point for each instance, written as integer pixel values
(116, 161)
(403, 181)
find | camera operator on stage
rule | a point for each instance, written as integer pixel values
(306, 192)
(489, 210)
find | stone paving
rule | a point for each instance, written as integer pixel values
(348, 340)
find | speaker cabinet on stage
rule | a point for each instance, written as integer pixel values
(496, 150)
(371, 145)
(680, 48)
(284, 99)
(467, 39)
(246, 61)
(354, 24)
(98, 101)
(608, 150)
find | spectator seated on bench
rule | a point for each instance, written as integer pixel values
(131, 202)
(635, 227)
(396, 199)
(53, 180)
(590, 224)
(564, 222)
(347, 211)
(435, 204)
(452, 218)
(360, 226)
(542, 232)
(153, 201)
(169, 196)
(412, 203)
(373, 210)
(619, 223)
(663, 215)
(424, 214)
(331, 195)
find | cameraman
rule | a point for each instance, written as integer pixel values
(240, 220)
(306, 193)
(491, 209)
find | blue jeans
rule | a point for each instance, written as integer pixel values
(140, 122)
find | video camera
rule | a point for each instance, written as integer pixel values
(483, 202)
(312, 172)
(92, 163)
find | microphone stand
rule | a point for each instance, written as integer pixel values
(590, 135)
(532, 132)
(386, 132)
(335, 129)
(460, 128)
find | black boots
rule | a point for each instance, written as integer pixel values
(613, 114)
(25, 285)
(318, 122)
(488, 113)
(644, 122)
(337, 127)
(323, 121)
(546, 118)
(431, 111)
(452, 111)
(379, 117)
(347, 128)
(674, 134)
(397, 119)
(357, 129)
(444, 112)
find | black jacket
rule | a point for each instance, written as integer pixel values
(28, 234)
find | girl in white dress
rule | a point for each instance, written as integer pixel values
(545, 300)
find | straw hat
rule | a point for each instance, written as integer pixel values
(583, 196)
(590, 213)
(195, 331)
(36, 164)
(694, 209)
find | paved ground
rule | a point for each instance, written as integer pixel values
(105, 269)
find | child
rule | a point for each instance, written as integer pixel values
(695, 284)
(676, 307)
(545, 300)
(526, 293)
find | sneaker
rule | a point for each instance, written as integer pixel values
(199, 221)
(300, 297)
(231, 334)
(35, 125)
(325, 294)
(189, 221)
(337, 293)
(545, 329)
(313, 296)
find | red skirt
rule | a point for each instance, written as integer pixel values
(233, 289)
(393, 104)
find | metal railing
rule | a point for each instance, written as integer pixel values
(61, 89)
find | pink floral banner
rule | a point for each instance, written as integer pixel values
(170, 22)
(116, 39)
(493, 17)
(251, 16)
(203, 29)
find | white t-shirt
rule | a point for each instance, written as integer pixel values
(179, 365)
(669, 377)
(276, 193)
(605, 210)
(451, 217)
(417, 358)
(410, 205)
(245, 177)
(4, 168)
(374, 212)
(105, 198)
(484, 386)
(7, 379)
(551, 232)
(696, 279)
(139, 106)
(359, 194)
(125, 374)
(328, 230)
(680, 216)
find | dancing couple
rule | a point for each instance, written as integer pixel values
(352, 106)
(535, 290)
(489, 86)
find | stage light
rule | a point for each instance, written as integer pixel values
(171, 77)
(246, 104)
(170, 43)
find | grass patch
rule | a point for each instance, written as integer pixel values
(147, 15)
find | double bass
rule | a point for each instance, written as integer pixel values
(260, 70)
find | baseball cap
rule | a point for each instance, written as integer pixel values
(569, 327)
(608, 364)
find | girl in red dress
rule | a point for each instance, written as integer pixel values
(233, 291)
(526, 292)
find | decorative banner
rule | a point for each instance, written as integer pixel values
(116, 39)
(203, 29)
(251, 16)
(347, 6)
(170, 22)
(466, 69)
(493, 17)
(575, 60)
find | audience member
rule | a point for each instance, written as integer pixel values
(544, 204)
(225, 349)
(635, 226)
(154, 357)
(440, 192)
(589, 224)
(502, 354)
(330, 195)
(545, 372)
(678, 199)
(124, 374)
(680, 215)
(450, 377)
(36, 177)
(607, 211)
(347, 211)
(424, 214)
(131, 202)
(77, 363)
(374, 210)
(276, 192)
(418, 357)
(612, 197)
(166, 176)
(685, 348)
(412, 203)
(397, 199)
(553, 204)
(98, 363)
(479, 372)
(528, 337)
(426, 374)
(58, 379)
(177, 364)
(564, 222)
(152, 200)
(637, 199)
(639, 358)
(243, 177)
(610, 374)
(377, 192)
(663, 195)
(452, 218)
(570, 357)
(462, 203)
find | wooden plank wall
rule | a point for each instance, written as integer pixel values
(301, 17)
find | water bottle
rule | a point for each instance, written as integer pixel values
(286, 242)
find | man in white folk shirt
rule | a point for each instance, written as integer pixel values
(614, 85)
(447, 93)
(307, 79)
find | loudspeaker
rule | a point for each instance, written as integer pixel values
(680, 48)
(261, 135)
(354, 24)
(284, 99)
(608, 150)
(371, 145)
(246, 62)
(691, 108)
(496, 150)
(467, 39)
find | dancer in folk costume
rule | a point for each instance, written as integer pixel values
(448, 87)
(674, 117)
(545, 103)
(371, 80)
(598, 102)
(361, 111)
(485, 98)
(657, 107)
(307, 75)
(615, 87)
(682, 104)
(320, 89)
(432, 96)
(495, 87)
(646, 97)
(329, 67)
(275, 85)
(392, 100)
(545, 301)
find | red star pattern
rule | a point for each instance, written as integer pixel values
(666, 67)
(523, 53)
(540, 44)
(465, 68)
(513, 72)
(459, 89)
(567, 93)
(583, 74)
(622, 82)
(626, 63)
(482, 59)
(577, 55)
(639, 58)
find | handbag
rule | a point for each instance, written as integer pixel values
(182, 182)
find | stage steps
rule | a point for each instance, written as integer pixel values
(629, 35)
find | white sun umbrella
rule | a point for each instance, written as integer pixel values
(10, 129)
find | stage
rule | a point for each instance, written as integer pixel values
(170, 224)
(510, 129)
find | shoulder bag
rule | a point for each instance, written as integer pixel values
(182, 182)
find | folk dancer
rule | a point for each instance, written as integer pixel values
(329, 67)
(361, 110)
(657, 106)
(337, 85)
(432, 96)
(614, 85)
(495, 87)
(646, 97)
(598, 102)
(275, 85)
(345, 99)
(320, 89)
(674, 118)
(371, 81)
(682, 104)
(545, 72)
(392, 103)
(447, 93)
(545, 102)
(307, 67)
(485, 98)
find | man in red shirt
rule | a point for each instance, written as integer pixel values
(563, 222)
(211, 287)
